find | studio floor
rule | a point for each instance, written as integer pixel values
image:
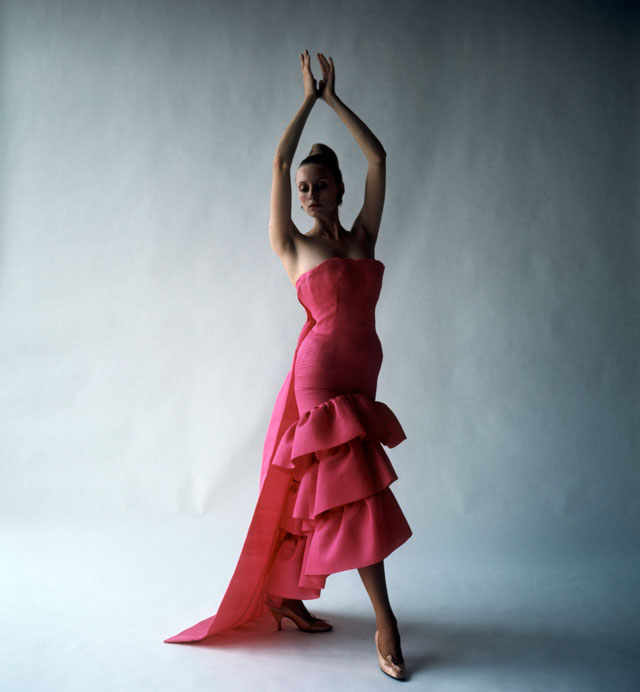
(87, 606)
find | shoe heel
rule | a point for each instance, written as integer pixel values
(278, 619)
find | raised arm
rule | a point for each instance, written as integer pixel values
(368, 220)
(281, 227)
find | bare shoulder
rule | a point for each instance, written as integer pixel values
(287, 250)
(283, 238)
(361, 241)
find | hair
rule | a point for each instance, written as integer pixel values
(322, 155)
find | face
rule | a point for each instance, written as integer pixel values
(317, 189)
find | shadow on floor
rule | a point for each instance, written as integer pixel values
(434, 646)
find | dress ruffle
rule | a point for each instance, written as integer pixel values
(339, 512)
(336, 421)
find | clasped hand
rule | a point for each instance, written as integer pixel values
(325, 90)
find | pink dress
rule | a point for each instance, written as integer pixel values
(324, 504)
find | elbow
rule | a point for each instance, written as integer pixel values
(280, 163)
(379, 158)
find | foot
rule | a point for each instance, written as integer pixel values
(389, 641)
(296, 612)
(299, 608)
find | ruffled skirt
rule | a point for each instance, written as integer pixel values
(339, 512)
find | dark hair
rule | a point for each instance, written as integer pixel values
(322, 155)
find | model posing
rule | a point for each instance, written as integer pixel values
(325, 504)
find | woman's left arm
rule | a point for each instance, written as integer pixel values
(368, 220)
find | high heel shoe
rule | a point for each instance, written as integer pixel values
(388, 665)
(316, 625)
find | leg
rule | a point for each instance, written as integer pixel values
(374, 581)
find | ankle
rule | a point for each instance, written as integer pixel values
(273, 601)
(387, 623)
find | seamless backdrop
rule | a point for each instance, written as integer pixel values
(146, 326)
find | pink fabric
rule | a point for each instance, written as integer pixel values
(324, 504)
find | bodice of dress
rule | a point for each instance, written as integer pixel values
(339, 350)
(341, 293)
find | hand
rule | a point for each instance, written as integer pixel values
(327, 83)
(310, 87)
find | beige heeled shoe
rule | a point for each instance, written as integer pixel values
(388, 665)
(316, 625)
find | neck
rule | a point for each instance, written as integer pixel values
(328, 227)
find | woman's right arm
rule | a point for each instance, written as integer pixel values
(282, 230)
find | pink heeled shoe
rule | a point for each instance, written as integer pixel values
(388, 665)
(316, 625)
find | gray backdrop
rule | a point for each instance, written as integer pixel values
(147, 326)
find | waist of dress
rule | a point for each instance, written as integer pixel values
(339, 327)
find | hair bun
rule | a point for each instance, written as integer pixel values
(319, 149)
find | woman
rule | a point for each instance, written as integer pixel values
(325, 503)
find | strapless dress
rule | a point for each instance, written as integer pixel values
(324, 503)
